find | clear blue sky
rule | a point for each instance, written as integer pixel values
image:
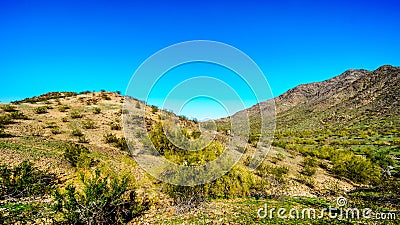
(92, 45)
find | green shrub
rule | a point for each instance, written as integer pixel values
(56, 130)
(310, 161)
(96, 110)
(77, 155)
(254, 139)
(380, 157)
(18, 115)
(122, 144)
(64, 119)
(3, 134)
(51, 125)
(105, 96)
(238, 182)
(186, 197)
(41, 110)
(308, 170)
(5, 119)
(82, 139)
(77, 133)
(8, 108)
(278, 173)
(356, 168)
(25, 180)
(154, 109)
(110, 138)
(63, 108)
(75, 114)
(279, 143)
(306, 180)
(88, 124)
(115, 126)
(116, 141)
(103, 200)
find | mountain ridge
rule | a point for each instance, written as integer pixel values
(354, 93)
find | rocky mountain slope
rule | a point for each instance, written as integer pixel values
(354, 97)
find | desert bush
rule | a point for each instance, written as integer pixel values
(51, 125)
(75, 114)
(110, 138)
(181, 156)
(324, 152)
(122, 144)
(280, 156)
(3, 134)
(77, 133)
(77, 155)
(308, 170)
(105, 96)
(278, 173)
(380, 157)
(89, 124)
(238, 182)
(56, 130)
(24, 180)
(185, 197)
(18, 115)
(84, 92)
(154, 109)
(63, 108)
(254, 139)
(103, 200)
(279, 143)
(196, 135)
(355, 168)
(41, 110)
(119, 142)
(5, 119)
(310, 161)
(306, 180)
(115, 126)
(305, 141)
(64, 119)
(8, 108)
(82, 139)
(96, 110)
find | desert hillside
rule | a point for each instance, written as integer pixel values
(333, 138)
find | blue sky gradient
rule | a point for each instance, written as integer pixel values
(92, 45)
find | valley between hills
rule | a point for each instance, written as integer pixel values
(64, 158)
